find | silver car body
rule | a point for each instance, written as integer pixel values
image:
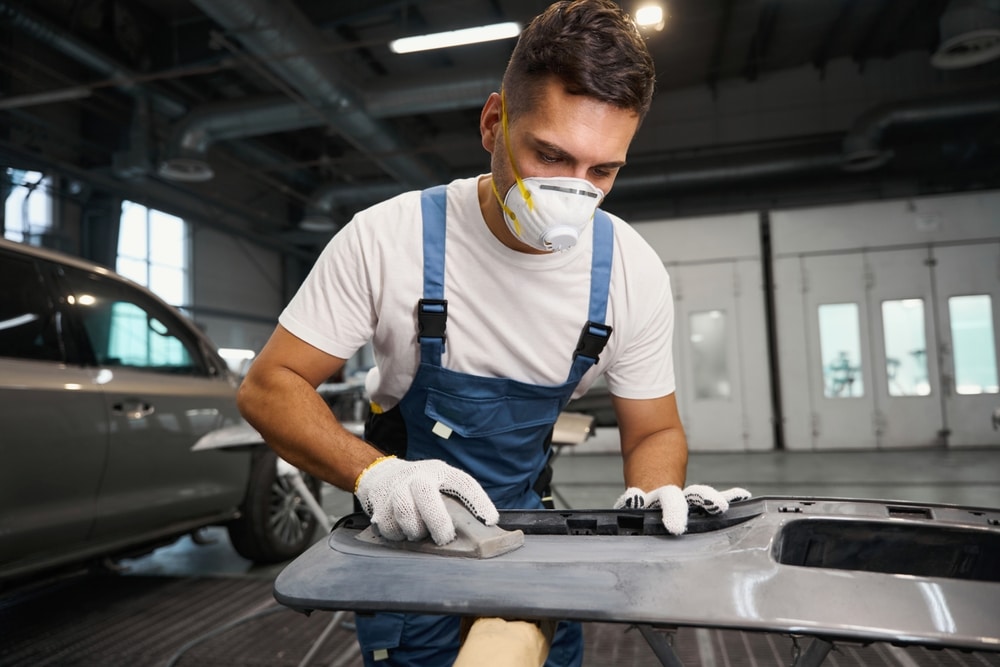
(96, 452)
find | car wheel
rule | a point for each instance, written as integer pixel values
(275, 523)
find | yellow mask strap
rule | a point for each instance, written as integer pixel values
(506, 209)
(525, 192)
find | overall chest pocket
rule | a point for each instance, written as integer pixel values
(484, 417)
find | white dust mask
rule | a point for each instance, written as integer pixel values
(546, 213)
(550, 213)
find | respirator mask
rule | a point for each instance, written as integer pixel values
(546, 213)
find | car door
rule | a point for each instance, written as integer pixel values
(53, 425)
(162, 393)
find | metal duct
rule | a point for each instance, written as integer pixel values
(186, 154)
(863, 148)
(430, 95)
(319, 210)
(668, 173)
(293, 48)
(68, 45)
(726, 170)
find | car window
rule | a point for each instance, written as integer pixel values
(127, 328)
(29, 324)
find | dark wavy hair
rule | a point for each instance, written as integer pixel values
(592, 46)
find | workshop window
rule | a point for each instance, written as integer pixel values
(840, 350)
(905, 347)
(708, 355)
(974, 344)
(154, 250)
(28, 206)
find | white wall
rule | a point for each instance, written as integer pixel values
(715, 269)
(902, 222)
(922, 250)
(238, 286)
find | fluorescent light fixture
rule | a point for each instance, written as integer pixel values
(441, 40)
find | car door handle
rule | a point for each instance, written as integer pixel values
(132, 409)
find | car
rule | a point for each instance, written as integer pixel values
(105, 390)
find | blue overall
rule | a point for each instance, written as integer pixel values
(499, 432)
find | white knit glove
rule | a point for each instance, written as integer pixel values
(675, 503)
(403, 498)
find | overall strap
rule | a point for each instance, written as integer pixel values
(596, 332)
(432, 310)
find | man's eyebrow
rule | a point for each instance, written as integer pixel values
(558, 152)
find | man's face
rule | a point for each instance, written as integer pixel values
(563, 135)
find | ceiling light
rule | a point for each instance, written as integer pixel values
(970, 35)
(441, 40)
(650, 16)
(186, 170)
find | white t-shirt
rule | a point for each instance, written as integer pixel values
(510, 314)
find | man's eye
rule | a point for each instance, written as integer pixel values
(548, 159)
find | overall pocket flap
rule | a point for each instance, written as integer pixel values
(483, 417)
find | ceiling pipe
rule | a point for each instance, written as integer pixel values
(45, 32)
(186, 155)
(287, 42)
(320, 216)
(392, 98)
(663, 174)
(673, 174)
(40, 29)
(863, 149)
(860, 150)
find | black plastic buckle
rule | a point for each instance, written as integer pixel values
(432, 318)
(593, 338)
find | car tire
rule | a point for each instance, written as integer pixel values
(275, 524)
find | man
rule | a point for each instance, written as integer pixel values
(490, 303)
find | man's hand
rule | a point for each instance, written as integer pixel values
(675, 503)
(403, 498)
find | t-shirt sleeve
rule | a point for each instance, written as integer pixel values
(333, 309)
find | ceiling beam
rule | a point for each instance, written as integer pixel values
(760, 43)
(836, 30)
(875, 28)
(719, 47)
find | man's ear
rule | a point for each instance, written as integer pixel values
(490, 125)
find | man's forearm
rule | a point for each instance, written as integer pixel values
(296, 423)
(658, 460)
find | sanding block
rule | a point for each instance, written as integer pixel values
(473, 538)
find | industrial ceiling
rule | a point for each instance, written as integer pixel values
(283, 118)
